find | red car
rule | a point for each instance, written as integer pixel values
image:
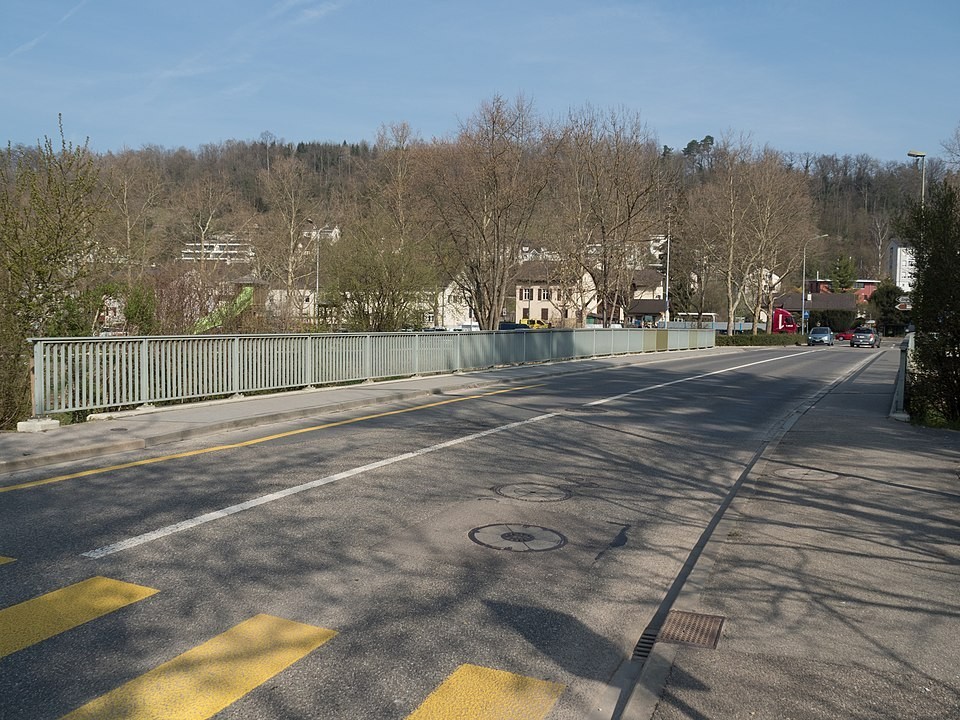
(844, 335)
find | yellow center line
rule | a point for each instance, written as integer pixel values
(478, 693)
(246, 443)
(203, 681)
(43, 617)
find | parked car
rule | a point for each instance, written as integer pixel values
(535, 324)
(512, 326)
(844, 335)
(865, 337)
(820, 336)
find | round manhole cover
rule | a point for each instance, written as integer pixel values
(806, 474)
(517, 537)
(532, 492)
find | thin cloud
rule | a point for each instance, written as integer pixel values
(73, 10)
(27, 47)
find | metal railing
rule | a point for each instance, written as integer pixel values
(898, 407)
(73, 374)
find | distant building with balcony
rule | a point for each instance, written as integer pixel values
(901, 265)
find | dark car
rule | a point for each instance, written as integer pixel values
(820, 336)
(865, 337)
(512, 326)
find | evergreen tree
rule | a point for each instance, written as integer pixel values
(933, 230)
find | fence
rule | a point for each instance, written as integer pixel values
(72, 374)
(899, 409)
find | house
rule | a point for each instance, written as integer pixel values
(901, 266)
(795, 304)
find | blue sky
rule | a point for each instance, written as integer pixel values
(826, 76)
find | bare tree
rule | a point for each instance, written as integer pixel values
(780, 224)
(382, 267)
(135, 189)
(609, 201)
(284, 249)
(719, 221)
(486, 187)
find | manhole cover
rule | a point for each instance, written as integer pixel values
(689, 628)
(532, 492)
(806, 474)
(516, 537)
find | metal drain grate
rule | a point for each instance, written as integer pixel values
(644, 646)
(689, 628)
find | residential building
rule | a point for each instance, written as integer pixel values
(901, 265)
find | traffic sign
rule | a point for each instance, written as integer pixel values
(904, 306)
(903, 299)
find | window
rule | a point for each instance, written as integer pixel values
(526, 294)
(543, 313)
(546, 294)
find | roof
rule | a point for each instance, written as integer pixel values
(647, 307)
(818, 301)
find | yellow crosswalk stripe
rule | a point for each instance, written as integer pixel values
(43, 617)
(208, 678)
(478, 693)
(5, 560)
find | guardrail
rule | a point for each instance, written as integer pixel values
(72, 374)
(898, 408)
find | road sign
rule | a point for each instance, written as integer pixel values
(806, 314)
(903, 299)
(904, 306)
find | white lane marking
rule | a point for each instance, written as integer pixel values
(280, 494)
(692, 377)
(287, 492)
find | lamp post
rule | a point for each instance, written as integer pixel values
(803, 294)
(923, 172)
(803, 287)
(666, 280)
(316, 287)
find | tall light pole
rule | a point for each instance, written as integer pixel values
(666, 280)
(803, 287)
(923, 173)
(316, 288)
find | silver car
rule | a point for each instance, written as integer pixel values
(820, 336)
(865, 337)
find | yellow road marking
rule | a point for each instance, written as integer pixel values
(478, 693)
(208, 678)
(245, 443)
(47, 615)
(5, 560)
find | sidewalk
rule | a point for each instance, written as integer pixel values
(108, 433)
(837, 572)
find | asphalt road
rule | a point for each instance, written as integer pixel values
(419, 560)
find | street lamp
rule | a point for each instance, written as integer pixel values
(923, 172)
(316, 289)
(803, 288)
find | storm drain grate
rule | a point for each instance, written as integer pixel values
(689, 628)
(644, 646)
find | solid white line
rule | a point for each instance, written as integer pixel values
(280, 494)
(287, 492)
